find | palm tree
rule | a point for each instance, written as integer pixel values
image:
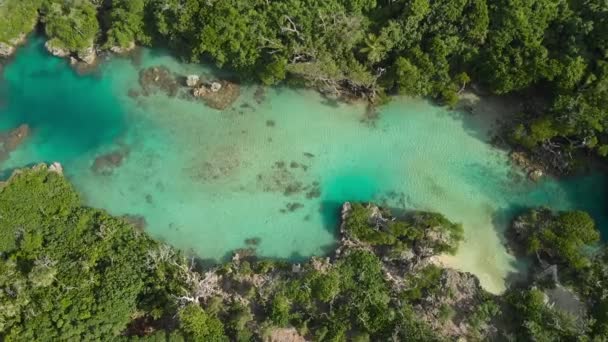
(374, 48)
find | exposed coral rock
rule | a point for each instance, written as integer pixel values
(532, 169)
(55, 50)
(536, 175)
(6, 50)
(56, 167)
(192, 80)
(218, 95)
(215, 87)
(123, 50)
(88, 55)
(9, 48)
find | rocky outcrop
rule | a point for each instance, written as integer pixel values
(533, 170)
(88, 55)
(119, 50)
(8, 48)
(56, 167)
(449, 306)
(54, 49)
(192, 80)
(217, 94)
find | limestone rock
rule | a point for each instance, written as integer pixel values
(192, 80)
(122, 50)
(6, 50)
(534, 170)
(215, 87)
(535, 175)
(56, 50)
(88, 55)
(56, 167)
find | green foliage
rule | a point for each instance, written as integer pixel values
(127, 23)
(429, 231)
(279, 311)
(197, 325)
(17, 17)
(70, 24)
(69, 272)
(562, 236)
(274, 72)
(515, 56)
(540, 322)
(424, 282)
(411, 328)
(327, 286)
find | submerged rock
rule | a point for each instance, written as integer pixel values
(259, 95)
(158, 78)
(533, 170)
(9, 141)
(139, 222)
(106, 163)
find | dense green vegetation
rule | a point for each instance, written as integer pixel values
(567, 299)
(17, 17)
(71, 25)
(68, 272)
(430, 233)
(558, 238)
(548, 50)
(71, 272)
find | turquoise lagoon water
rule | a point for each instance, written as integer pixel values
(207, 180)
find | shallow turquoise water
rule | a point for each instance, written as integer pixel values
(207, 180)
